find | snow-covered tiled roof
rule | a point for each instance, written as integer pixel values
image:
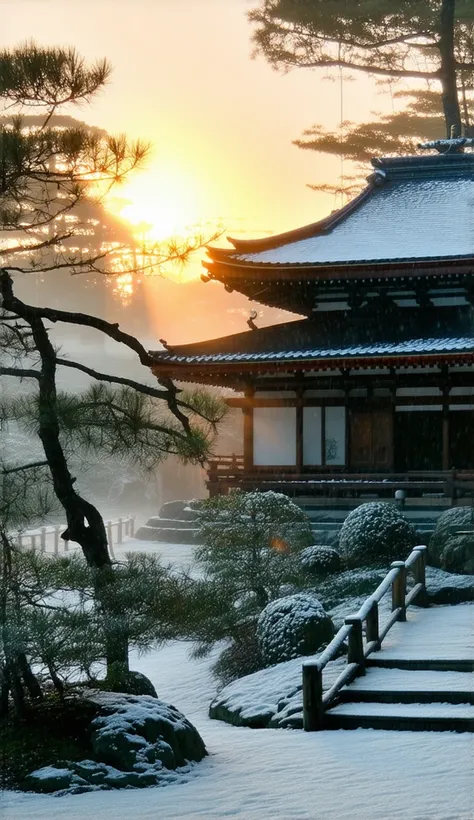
(402, 332)
(409, 348)
(415, 208)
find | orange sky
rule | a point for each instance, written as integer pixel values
(221, 123)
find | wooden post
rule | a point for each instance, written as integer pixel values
(127, 525)
(66, 546)
(120, 531)
(355, 652)
(445, 459)
(132, 526)
(399, 587)
(313, 710)
(419, 574)
(56, 540)
(372, 624)
(299, 428)
(109, 533)
(43, 539)
(248, 438)
(33, 541)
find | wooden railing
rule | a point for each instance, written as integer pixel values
(360, 646)
(38, 538)
(228, 471)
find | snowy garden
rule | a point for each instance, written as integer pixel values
(264, 599)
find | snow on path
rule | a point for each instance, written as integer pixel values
(273, 774)
(438, 632)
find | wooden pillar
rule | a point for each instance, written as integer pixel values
(445, 460)
(248, 430)
(299, 429)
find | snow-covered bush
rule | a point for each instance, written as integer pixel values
(375, 533)
(293, 626)
(320, 560)
(451, 550)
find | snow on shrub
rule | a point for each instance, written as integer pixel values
(320, 560)
(451, 550)
(375, 533)
(293, 626)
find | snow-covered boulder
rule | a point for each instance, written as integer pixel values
(449, 549)
(376, 533)
(320, 560)
(136, 741)
(271, 698)
(293, 626)
(448, 588)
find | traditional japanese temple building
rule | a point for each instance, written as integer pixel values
(373, 389)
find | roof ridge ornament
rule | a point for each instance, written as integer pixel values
(455, 145)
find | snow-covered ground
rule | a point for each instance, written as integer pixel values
(278, 774)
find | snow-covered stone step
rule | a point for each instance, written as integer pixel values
(171, 523)
(412, 717)
(435, 664)
(404, 686)
(167, 536)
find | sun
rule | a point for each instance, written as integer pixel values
(160, 204)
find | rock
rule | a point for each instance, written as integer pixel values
(49, 779)
(131, 683)
(448, 588)
(270, 698)
(132, 724)
(451, 546)
(172, 509)
(137, 741)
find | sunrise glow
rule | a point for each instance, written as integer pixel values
(160, 203)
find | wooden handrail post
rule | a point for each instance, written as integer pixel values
(109, 533)
(399, 587)
(56, 540)
(372, 624)
(43, 539)
(313, 710)
(132, 526)
(120, 531)
(355, 652)
(419, 574)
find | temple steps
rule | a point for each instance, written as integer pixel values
(405, 694)
(404, 717)
(417, 686)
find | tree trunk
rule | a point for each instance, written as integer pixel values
(447, 71)
(85, 524)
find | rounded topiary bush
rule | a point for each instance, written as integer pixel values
(375, 533)
(449, 549)
(293, 626)
(320, 560)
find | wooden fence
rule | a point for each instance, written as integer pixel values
(360, 646)
(40, 538)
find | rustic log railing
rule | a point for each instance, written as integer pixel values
(359, 647)
(38, 538)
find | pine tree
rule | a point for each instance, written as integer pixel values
(49, 171)
(430, 41)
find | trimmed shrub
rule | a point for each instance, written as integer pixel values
(293, 626)
(450, 550)
(375, 534)
(320, 560)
